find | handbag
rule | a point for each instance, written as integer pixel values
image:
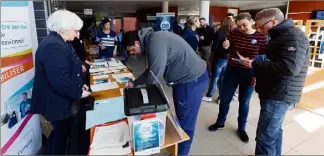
(89, 103)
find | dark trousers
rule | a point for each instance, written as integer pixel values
(187, 99)
(217, 76)
(56, 143)
(79, 140)
(233, 78)
(269, 131)
(205, 52)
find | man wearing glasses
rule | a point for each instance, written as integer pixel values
(280, 76)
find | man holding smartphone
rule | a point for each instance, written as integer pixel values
(280, 77)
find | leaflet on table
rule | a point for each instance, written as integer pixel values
(115, 76)
(118, 150)
(119, 71)
(104, 86)
(93, 70)
(124, 80)
(107, 110)
(100, 73)
(115, 63)
(100, 77)
(111, 135)
(118, 67)
(101, 81)
(100, 60)
(104, 59)
(146, 137)
(99, 65)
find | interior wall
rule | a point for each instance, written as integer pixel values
(301, 10)
(218, 13)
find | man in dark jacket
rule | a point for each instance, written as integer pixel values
(171, 57)
(280, 77)
(205, 33)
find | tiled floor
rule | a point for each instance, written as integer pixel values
(303, 130)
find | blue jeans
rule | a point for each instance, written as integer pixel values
(269, 131)
(234, 77)
(187, 98)
(217, 74)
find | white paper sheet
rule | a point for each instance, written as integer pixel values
(111, 151)
(115, 76)
(111, 136)
(104, 86)
(100, 77)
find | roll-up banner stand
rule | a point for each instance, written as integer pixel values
(20, 130)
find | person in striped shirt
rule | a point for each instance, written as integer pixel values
(244, 41)
(107, 40)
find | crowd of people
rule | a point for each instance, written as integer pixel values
(267, 53)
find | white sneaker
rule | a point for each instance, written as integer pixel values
(207, 99)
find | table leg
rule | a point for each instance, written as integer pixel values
(173, 150)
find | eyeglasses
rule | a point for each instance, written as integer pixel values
(264, 24)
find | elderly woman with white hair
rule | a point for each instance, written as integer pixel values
(58, 80)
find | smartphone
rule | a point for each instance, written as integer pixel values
(237, 60)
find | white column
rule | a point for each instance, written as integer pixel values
(204, 9)
(165, 6)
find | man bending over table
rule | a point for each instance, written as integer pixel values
(171, 57)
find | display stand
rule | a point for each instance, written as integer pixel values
(171, 136)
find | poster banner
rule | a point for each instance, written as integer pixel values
(321, 51)
(165, 21)
(20, 130)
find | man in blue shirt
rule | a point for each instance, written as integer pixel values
(24, 105)
(107, 40)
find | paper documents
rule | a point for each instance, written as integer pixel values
(115, 76)
(111, 135)
(104, 111)
(104, 86)
(100, 77)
